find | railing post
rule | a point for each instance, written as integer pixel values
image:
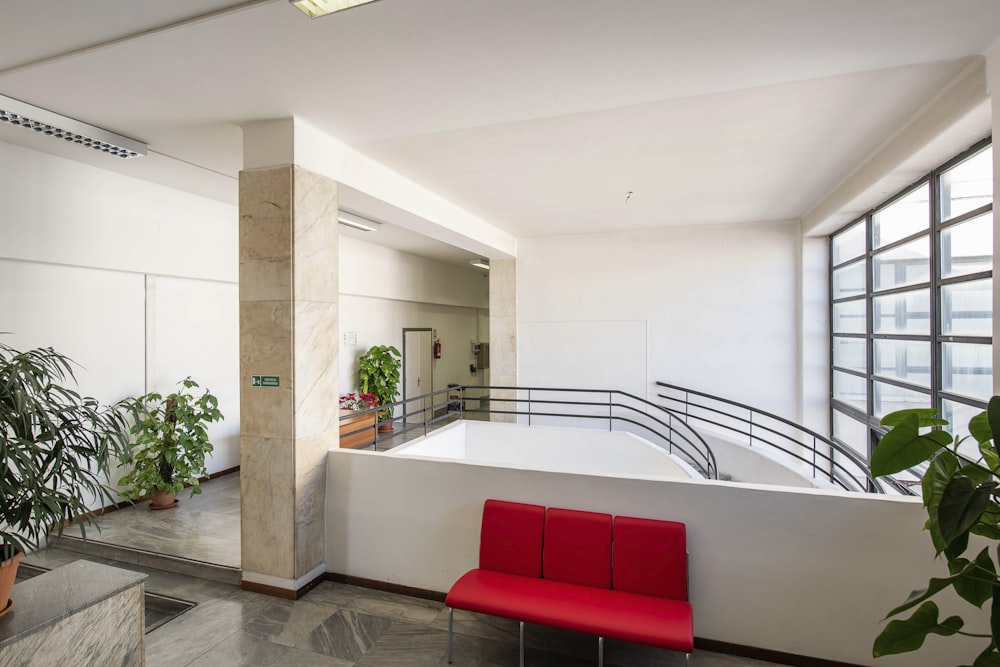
(610, 416)
(814, 457)
(529, 407)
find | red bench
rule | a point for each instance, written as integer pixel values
(624, 578)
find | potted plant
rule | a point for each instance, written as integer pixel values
(56, 450)
(171, 442)
(357, 419)
(962, 499)
(378, 372)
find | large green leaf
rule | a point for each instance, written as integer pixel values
(903, 447)
(961, 506)
(925, 417)
(979, 428)
(993, 415)
(988, 658)
(971, 579)
(942, 468)
(909, 635)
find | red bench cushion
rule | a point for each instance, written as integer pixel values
(642, 619)
(511, 538)
(577, 547)
(650, 557)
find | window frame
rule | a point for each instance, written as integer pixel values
(935, 285)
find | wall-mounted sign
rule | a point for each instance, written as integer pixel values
(265, 381)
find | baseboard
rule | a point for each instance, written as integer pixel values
(374, 584)
(767, 655)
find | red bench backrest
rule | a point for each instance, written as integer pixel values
(510, 539)
(650, 557)
(577, 547)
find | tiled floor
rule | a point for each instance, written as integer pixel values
(334, 624)
(203, 527)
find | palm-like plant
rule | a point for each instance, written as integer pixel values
(56, 448)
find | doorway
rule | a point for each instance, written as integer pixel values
(418, 373)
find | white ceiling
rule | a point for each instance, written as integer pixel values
(538, 116)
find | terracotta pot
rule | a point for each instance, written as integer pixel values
(8, 572)
(162, 500)
(385, 427)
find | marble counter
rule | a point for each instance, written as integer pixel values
(81, 613)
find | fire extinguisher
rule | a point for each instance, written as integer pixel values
(437, 349)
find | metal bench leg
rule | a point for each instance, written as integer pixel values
(522, 643)
(687, 658)
(451, 623)
(600, 652)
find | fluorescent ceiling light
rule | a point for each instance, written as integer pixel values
(316, 8)
(57, 126)
(357, 222)
(480, 263)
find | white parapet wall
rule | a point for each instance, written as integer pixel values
(548, 448)
(803, 571)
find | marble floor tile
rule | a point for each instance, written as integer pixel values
(243, 650)
(339, 633)
(203, 527)
(409, 645)
(375, 603)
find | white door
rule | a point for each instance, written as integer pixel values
(417, 369)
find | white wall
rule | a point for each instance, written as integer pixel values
(719, 306)
(547, 448)
(807, 572)
(384, 290)
(134, 281)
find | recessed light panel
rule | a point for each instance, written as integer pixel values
(57, 126)
(315, 8)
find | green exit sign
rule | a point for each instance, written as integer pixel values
(265, 381)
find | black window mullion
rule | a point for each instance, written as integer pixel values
(934, 285)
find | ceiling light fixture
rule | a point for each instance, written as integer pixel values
(58, 126)
(357, 222)
(480, 264)
(316, 8)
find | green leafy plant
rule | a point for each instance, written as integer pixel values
(171, 441)
(378, 372)
(56, 448)
(961, 498)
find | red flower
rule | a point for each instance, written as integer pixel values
(358, 401)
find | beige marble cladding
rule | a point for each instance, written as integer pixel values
(266, 234)
(316, 235)
(503, 335)
(310, 505)
(503, 288)
(266, 336)
(288, 327)
(316, 368)
(267, 506)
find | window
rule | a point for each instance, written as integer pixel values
(911, 290)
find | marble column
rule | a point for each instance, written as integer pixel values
(503, 335)
(288, 373)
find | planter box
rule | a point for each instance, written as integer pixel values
(362, 439)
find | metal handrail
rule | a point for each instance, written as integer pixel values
(668, 429)
(841, 465)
